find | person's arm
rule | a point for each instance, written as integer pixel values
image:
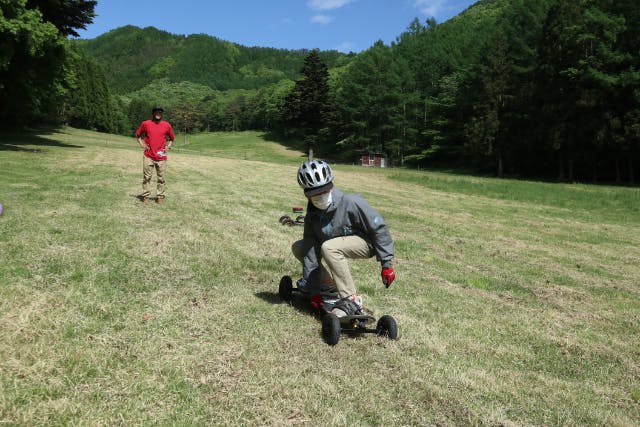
(378, 232)
(139, 133)
(143, 144)
(374, 226)
(171, 135)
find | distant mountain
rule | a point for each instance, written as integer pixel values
(132, 57)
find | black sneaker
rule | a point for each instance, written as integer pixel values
(348, 306)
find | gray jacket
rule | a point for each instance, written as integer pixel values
(349, 214)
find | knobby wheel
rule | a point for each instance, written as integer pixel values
(330, 329)
(286, 288)
(284, 219)
(387, 327)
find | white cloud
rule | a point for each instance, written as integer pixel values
(345, 47)
(429, 7)
(328, 4)
(321, 19)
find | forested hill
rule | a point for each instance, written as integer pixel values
(522, 88)
(132, 57)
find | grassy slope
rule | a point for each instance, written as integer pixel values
(518, 302)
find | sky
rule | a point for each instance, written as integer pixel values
(343, 25)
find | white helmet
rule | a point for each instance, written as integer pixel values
(315, 177)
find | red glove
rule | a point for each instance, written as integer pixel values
(388, 276)
(316, 301)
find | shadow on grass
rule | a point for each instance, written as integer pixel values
(140, 198)
(29, 141)
(298, 302)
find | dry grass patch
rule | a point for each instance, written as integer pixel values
(511, 311)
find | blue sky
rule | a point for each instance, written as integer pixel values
(344, 25)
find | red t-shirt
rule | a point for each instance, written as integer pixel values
(155, 135)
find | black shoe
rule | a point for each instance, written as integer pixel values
(348, 306)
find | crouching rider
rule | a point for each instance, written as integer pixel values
(338, 227)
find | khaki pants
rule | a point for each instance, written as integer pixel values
(335, 253)
(147, 170)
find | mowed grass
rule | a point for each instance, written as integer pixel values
(518, 302)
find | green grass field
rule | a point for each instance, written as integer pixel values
(518, 302)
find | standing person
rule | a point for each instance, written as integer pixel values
(338, 227)
(156, 132)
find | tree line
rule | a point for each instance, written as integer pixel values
(546, 89)
(540, 89)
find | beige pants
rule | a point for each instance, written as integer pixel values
(147, 170)
(335, 253)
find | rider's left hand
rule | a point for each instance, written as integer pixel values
(388, 276)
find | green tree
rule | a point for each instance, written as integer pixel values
(522, 22)
(34, 72)
(307, 107)
(138, 110)
(274, 101)
(32, 58)
(492, 90)
(499, 89)
(88, 104)
(626, 97)
(65, 15)
(119, 117)
(580, 70)
(439, 57)
(443, 124)
(234, 113)
(188, 116)
(560, 52)
(372, 100)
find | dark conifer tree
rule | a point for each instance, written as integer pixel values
(491, 94)
(307, 109)
(580, 71)
(559, 94)
(627, 94)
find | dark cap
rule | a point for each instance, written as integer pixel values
(157, 108)
(318, 190)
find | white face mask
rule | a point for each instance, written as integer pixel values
(322, 201)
